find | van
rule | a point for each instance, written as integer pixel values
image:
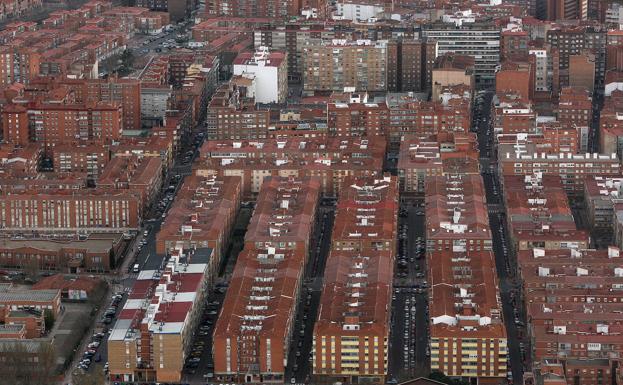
(145, 233)
(136, 268)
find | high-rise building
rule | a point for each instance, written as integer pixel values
(360, 65)
(473, 39)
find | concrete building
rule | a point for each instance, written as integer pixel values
(352, 330)
(471, 39)
(270, 71)
(152, 336)
(253, 332)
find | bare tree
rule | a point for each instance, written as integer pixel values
(21, 366)
(95, 376)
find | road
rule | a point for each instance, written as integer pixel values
(409, 324)
(299, 357)
(505, 263)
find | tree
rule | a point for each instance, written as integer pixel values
(20, 365)
(439, 376)
(31, 268)
(48, 317)
(95, 376)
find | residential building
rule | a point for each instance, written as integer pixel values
(467, 334)
(472, 39)
(341, 64)
(330, 159)
(270, 71)
(253, 333)
(538, 213)
(456, 213)
(522, 159)
(203, 214)
(441, 154)
(153, 334)
(351, 334)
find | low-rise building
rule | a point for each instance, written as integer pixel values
(16, 299)
(99, 252)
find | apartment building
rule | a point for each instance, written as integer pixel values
(472, 39)
(253, 332)
(601, 195)
(611, 124)
(142, 174)
(441, 154)
(467, 333)
(539, 215)
(202, 215)
(83, 158)
(522, 159)
(52, 124)
(451, 112)
(339, 64)
(573, 307)
(270, 71)
(457, 217)
(548, 137)
(358, 117)
(512, 114)
(152, 337)
(60, 210)
(329, 159)
(350, 342)
(232, 113)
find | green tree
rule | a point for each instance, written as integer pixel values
(48, 317)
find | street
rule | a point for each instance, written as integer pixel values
(506, 265)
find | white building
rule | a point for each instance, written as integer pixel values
(359, 11)
(471, 39)
(270, 71)
(542, 78)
